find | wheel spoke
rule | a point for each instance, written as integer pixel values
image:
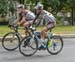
(55, 45)
(10, 41)
(28, 47)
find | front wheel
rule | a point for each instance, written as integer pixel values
(28, 46)
(10, 41)
(55, 45)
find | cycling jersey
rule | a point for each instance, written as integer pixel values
(47, 17)
(29, 16)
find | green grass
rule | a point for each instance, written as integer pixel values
(4, 29)
(59, 29)
(62, 29)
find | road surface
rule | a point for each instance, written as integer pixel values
(66, 55)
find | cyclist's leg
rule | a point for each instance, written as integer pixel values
(26, 24)
(51, 25)
(44, 32)
(43, 35)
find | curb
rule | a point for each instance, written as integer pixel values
(62, 35)
(66, 35)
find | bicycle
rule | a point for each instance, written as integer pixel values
(11, 40)
(15, 36)
(32, 43)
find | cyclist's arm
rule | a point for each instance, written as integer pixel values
(22, 20)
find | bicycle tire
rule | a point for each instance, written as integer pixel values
(5, 39)
(26, 40)
(61, 45)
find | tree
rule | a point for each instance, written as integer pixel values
(55, 5)
(21, 1)
(3, 7)
(71, 5)
(11, 6)
(6, 6)
(58, 5)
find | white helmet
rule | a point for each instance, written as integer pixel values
(20, 6)
(39, 6)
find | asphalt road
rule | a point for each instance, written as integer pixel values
(66, 55)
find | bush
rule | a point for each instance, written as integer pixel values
(58, 20)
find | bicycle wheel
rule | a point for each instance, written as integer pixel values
(10, 41)
(28, 46)
(55, 45)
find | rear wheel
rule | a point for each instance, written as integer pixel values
(10, 41)
(28, 46)
(55, 45)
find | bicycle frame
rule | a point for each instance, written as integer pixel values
(35, 35)
(15, 28)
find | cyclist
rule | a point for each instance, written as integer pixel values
(46, 16)
(24, 17)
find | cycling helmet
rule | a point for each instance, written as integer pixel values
(39, 6)
(20, 6)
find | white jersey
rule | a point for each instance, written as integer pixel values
(47, 17)
(30, 16)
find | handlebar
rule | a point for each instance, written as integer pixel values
(30, 28)
(15, 28)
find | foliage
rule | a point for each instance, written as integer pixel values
(3, 7)
(6, 6)
(11, 6)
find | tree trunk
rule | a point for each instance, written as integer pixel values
(21, 1)
(36, 2)
(72, 16)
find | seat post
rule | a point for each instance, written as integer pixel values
(16, 29)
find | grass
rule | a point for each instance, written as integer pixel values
(59, 29)
(64, 30)
(4, 29)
